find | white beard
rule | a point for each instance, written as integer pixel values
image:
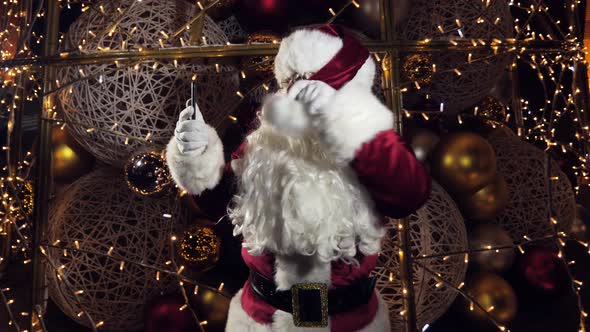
(293, 199)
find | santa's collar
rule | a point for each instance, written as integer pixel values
(344, 66)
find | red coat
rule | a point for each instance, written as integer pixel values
(398, 184)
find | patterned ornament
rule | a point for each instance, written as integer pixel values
(147, 173)
(418, 68)
(118, 233)
(20, 198)
(492, 109)
(435, 230)
(200, 248)
(523, 167)
(438, 20)
(117, 109)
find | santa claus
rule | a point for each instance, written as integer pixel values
(312, 185)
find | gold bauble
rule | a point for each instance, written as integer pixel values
(70, 160)
(486, 236)
(492, 109)
(260, 64)
(418, 68)
(463, 163)
(200, 247)
(487, 202)
(494, 294)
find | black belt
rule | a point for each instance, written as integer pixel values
(312, 303)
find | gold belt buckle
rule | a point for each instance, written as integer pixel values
(322, 289)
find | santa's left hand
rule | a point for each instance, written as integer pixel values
(313, 94)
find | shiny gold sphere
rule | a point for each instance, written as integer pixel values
(418, 68)
(463, 163)
(200, 247)
(70, 160)
(485, 236)
(487, 202)
(492, 109)
(494, 294)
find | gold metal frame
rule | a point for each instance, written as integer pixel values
(323, 289)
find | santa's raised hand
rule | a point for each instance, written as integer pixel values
(313, 94)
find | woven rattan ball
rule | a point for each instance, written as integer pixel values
(96, 213)
(460, 20)
(113, 108)
(436, 229)
(523, 167)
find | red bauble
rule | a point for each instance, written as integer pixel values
(163, 314)
(256, 15)
(544, 270)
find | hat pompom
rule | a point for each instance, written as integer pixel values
(286, 116)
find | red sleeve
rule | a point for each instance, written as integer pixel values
(397, 181)
(214, 202)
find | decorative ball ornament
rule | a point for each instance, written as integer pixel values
(492, 109)
(147, 173)
(263, 65)
(486, 236)
(479, 20)
(70, 160)
(487, 202)
(116, 109)
(423, 142)
(463, 163)
(418, 68)
(435, 229)
(259, 15)
(164, 314)
(543, 270)
(200, 248)
(494, 294)
(99, 215)
(523, 167)
(19, 200)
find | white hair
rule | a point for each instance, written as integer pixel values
(295, 199)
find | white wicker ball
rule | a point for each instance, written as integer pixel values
(523, 167)
(436, 229)
(478, 21)
(99, 211)
(109, 103)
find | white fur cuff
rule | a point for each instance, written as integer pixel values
(196, 173)
(353, 117)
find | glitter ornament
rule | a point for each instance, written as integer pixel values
(147, 174)
(200, 247)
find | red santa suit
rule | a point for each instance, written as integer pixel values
(357, 130)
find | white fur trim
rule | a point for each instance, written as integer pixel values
(352, 118)
(381, 321)
(195, 173)
(239, 321)
(304, 52)
(286, 115)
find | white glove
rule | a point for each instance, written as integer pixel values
(313, 94)
(191, 135)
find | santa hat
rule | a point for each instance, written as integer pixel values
(326, 53)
